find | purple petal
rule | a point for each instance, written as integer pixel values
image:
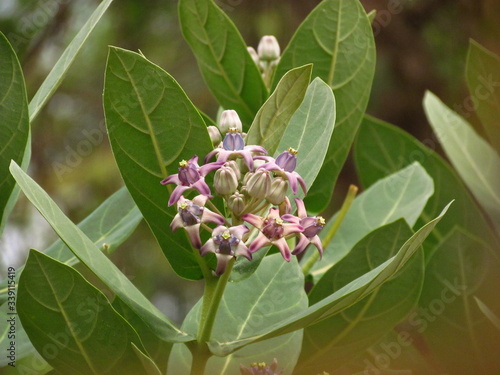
(291, 218)
(211, 154)
(292, 228)
(274, 213)
(301, 245)
(301, 182)
(247, 156)
(239, 231)
(222, 261)
(218, 230)
(283, 248)
(176, 194)
(242, 250)
(193, 232)
(293, 181)
(201, 186)
(207, 168)
(200, 200)
(176, 223)
(317, 242)
(301, 208)
(260, 241)
(172, 179)
(211, 217)
(209, 247)
(194, 160)
(255, 148)
(255, 220)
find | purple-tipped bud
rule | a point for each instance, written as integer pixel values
(188, 173)
(233, 141)
(287, 160)
(229, 119)
(214, 134)
(259, 184)
(237, 203)
(254, 55)
(225, 180)
(269, 48)
(279, 188)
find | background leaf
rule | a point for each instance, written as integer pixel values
(95, 260)
(270, 295)
(56, 75)
(223, 59)
(334, 341)
(341, 299)
(403, 194)
(14, 124)
(152, 126)
(72, 323)
(473, 158)
(272, 119)
(337, 38)
(483, 77)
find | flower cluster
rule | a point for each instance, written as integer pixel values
(255, 210)
(261, 369)
(266, 57)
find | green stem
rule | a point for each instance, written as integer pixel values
(351, 194)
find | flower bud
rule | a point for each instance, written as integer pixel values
(214, 134)
(229, 119)
(234, 166)
(259, 184)
(233, 141)
(253, 55)
(277, 193)
(268, 48)
(225, 180)
(237, 203)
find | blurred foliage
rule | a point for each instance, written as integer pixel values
(421, 45)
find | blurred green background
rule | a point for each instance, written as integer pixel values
(421, 44)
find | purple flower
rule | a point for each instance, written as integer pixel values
(273, 230)
(190, 176)
(285, 165)
(312, 226)
(233, 146)
(226, 243)
(191, 213)
(261, 369)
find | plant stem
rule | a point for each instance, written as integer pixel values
(351, 194)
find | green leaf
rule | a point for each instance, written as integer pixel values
(334, 341)
(272, 119)
(229, 71)
(382, 149)
(152, 126)
(457, 332)
(337, 38)
(403, 194)
(71, 323)
(56, 75)
(483, 77)
(14, 124)
(492, 317)
(147, 363)
(95, 260)
(341, 299)
(266, 298)
(108, 226)
(473, 158)
(24, 348)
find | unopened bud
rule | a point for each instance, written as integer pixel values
(268, 48)
(225, 180)
(234, 166)
(285, 207)
(277, 193)
(229, 119)
(237, 203)
(214, 134)
(259, 184)
(253, 55)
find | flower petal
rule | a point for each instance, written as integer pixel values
(211, 154)
(176, 194)
(211, 217)
(290, 218)
(293, 181)
(283, 248)
(316, 241)
(201, 186)
(301, 245)
(239, 231)
(172, 179)
(242, 250)
(301, 208)
(207, 168)
(193, 232)
(219, 230)
(255, 220)
(209, 247)
(222, 261)
(176, 223)
(260, 241)
(247, 156)
(292, 228)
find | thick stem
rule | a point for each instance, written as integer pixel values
(351, 194)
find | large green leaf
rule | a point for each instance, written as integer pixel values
(71, 323)
(403, 194)
(272, 119)
(108, 226)
(95, 260)
(152, 126)
(14, 123)
(483, 77)
(334, 341)
(456, 330)
(266, 298)
(309, 133)
(382, 149)
(56, 75)
(337, 38)
(473, 158)
(222, 56)
(341, 299)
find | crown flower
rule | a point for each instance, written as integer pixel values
(284, 165)
(261, 368)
